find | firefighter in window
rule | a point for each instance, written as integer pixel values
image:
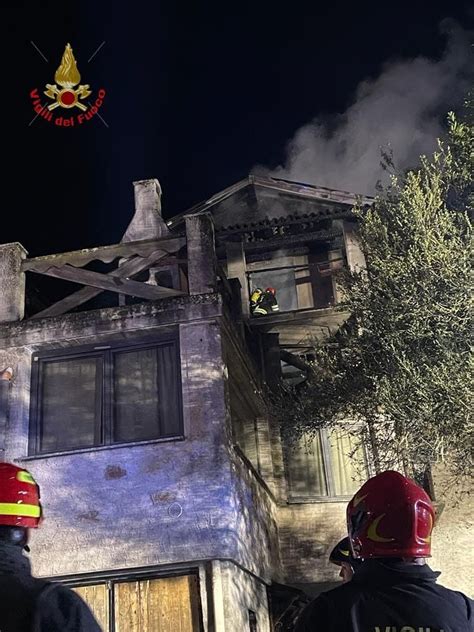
(263, 302)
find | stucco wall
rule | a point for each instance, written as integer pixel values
(155, 503)
(453, 535)
(240, 592)
(308, 532)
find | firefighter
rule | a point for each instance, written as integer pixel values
(267, 303)
(341, 556)
(29, 604)
(389, 521)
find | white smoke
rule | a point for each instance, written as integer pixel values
(403, 111)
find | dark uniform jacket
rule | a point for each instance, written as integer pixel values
(28, 604)
(266, 304)
(389, 597)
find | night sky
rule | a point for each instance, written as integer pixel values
(196, 95)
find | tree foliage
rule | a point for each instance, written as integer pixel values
(402, 360)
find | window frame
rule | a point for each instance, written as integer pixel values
(327, 467)
(104, 390)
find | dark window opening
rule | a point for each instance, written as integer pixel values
(105, 396)
(252, 621)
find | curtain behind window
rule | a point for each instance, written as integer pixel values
(71, 404)
(145, 394)
(348, 462)
(306, 475)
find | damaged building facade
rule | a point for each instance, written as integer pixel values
(140, 404)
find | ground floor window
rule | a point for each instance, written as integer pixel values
(330, 463)
(164, 604)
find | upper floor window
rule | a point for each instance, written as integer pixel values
(102, 396)
(304, 281)
(329, 464)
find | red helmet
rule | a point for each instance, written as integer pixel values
(390, 516)
(19, 497)
(271, 290)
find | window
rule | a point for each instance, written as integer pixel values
(103, 396)
(328, 464)
(301, 281)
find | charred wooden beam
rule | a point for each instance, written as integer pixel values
(291, 240)
(106, 254)
(111, 283)
(294, 360)
(126, 270)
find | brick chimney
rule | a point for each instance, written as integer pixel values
(147, 223)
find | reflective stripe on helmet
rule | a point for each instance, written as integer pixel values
(25, 477)
(18, 509)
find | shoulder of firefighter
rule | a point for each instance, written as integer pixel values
(60, 608)
(256, 295)
(37, 605)
(389, 602)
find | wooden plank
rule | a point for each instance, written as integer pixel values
(97, 598)
(128, 269)
(111, 283)
(157, 605)
(106, 254)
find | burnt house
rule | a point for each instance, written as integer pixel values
(138, 402)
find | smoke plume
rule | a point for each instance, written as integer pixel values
(403, 110)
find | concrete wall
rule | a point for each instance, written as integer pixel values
(235, 593)
(150, 504)
(308, 532)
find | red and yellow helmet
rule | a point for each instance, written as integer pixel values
(390, 516)
(19, 497)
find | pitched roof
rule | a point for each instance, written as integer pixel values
(258, 201)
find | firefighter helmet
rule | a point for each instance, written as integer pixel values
(19, 497)
(271, 290)
(390, 516)
(342, 553)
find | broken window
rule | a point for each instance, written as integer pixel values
(104, 396)
(330, 463)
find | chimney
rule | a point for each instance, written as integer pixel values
(147, 223)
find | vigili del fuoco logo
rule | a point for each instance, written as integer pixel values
(67, 93)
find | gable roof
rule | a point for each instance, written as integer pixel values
(262, 200)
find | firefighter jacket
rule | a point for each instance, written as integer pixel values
(389, 596)
(29, 604)
(266, 304)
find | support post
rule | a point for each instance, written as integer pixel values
(202, 275)
(12, 282)
(236, 269)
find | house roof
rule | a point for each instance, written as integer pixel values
(257, 202)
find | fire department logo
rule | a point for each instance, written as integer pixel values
(67, 76)
(67, 93)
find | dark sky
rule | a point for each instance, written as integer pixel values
(197, 93)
